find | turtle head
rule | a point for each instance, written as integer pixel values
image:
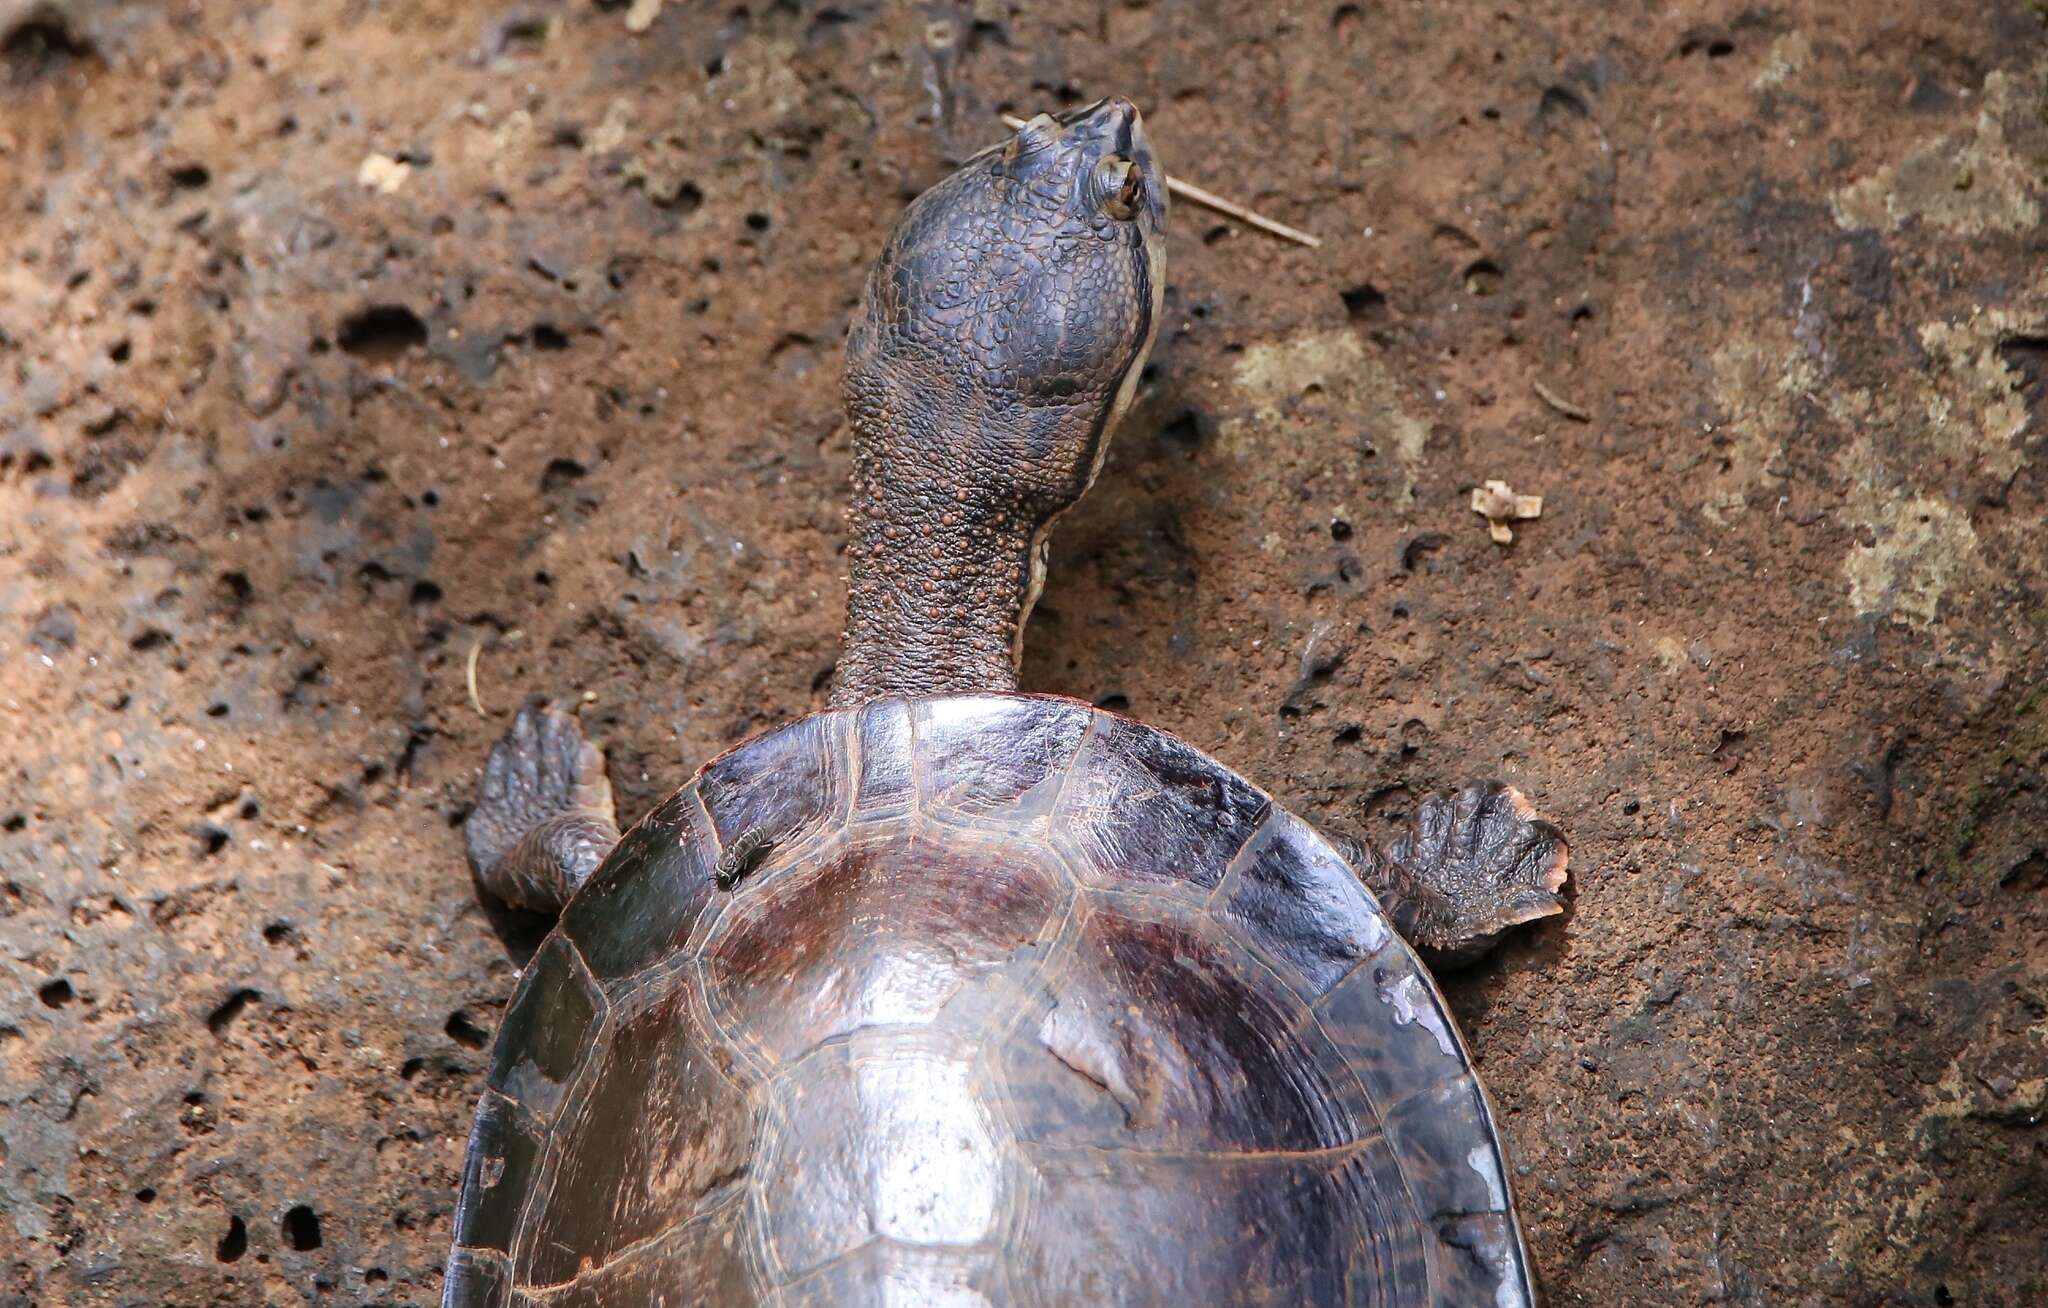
(998, 341)
(1011, 311)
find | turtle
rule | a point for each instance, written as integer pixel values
(951, 994)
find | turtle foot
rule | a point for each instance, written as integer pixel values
(543, 819)
(1470, 867)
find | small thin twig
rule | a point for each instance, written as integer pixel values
(476, 702)
(1561, 404)
(1230, 208)
(1211, 200)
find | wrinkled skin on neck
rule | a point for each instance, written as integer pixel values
(998, 341)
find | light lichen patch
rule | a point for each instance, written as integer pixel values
(1968, 183)
(1994, 1082)
(1921, 550)
(1272, 377)
(1788, 54)
(1670, 655)
(1964, 415)
(613, 130)
(1977, 409)
(1754, 386)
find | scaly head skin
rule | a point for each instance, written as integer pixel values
(998, 342)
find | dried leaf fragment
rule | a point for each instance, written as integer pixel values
(1500, 505)
(383, 174)
(642, 14)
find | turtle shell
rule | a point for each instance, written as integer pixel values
(1027, 1004)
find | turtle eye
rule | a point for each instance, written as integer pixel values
(1122, 187)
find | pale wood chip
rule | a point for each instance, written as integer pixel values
(1497, 502)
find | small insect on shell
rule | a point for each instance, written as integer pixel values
(742, 856)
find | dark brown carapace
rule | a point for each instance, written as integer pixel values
(1031, 1004)
(955, 996)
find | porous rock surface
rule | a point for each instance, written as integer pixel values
(342, 343)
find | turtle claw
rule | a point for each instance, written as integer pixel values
(544, 817)
(1469, 868)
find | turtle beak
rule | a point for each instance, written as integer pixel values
(1115, 123)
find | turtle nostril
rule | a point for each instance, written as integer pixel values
(1111, 123)
(1121, 124)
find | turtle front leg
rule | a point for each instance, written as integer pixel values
(543, 819)
(1470, 866)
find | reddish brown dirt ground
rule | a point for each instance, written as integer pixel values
(283, 439)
